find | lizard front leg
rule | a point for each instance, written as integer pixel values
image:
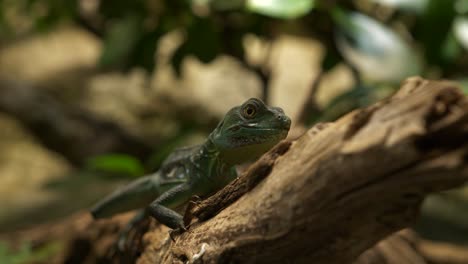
(160, 208)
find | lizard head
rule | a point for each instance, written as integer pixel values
(249, 130)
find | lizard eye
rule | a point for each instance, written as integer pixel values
(249, 111)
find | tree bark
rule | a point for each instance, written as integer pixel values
(326, 197)
(342, 186)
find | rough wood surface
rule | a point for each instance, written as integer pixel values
(341, 188)
(399, 248)
(328, 196)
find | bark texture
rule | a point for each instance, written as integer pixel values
(328, 196)
(342, 186)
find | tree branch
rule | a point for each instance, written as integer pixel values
(326, 197)
(341, 188)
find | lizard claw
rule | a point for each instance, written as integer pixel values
(122, 239)
(121, 244)
(194, 201)
(178, 231)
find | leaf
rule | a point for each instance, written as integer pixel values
(451, 49)
(464, 85)
(376, 51)
(119, 42)
(432, 29)
(283, 9)
(22, 255)
(331, 59)
(461, 6)
(5, 29)
(460, 30)
(224, 5)
(121, 8)
(203, 41)
(359, 96)
(144, 53)
(416, 6)
(54, 12)
(121, 164)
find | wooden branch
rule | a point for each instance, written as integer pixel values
(341, 188)
(326, 197)
(406, 247)
(240, 186)
(399, 248)
(75, 134)
(442, 253)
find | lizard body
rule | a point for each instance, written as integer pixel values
(246, 132)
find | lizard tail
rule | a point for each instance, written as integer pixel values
(137, 194)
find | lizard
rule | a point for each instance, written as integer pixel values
(245, 133)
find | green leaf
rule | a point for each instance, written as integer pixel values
(283, 9)
(331, 59)
(451, 49)
(54, 12)
(460, 30)
(224, 5)
(119, 42)
(376, 51)
(120, 164)
(203, 41)
(416, 6)
(461, 6)
(15, 257)
(432, 29)
(145, 51)
(121, 8)
(359, 96)
(464, 85)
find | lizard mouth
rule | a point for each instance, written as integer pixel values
(265, 135)
(278, 130)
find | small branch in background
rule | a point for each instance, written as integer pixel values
(407, 247)
(399, 248)
(72, 132)
(264, 76)
(234, 46)
(265, 80)
(310, 106)
(264, 72)
(442, 252)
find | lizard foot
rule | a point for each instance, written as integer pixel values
(122, 242)
(178, 231)
(131, 229)
(188, 216)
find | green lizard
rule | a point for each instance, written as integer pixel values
(246, 132)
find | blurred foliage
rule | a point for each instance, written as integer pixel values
(285, 9)
(445, 216)
(383, 40)
(18, 257)
(26, 254)
(116, 165)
